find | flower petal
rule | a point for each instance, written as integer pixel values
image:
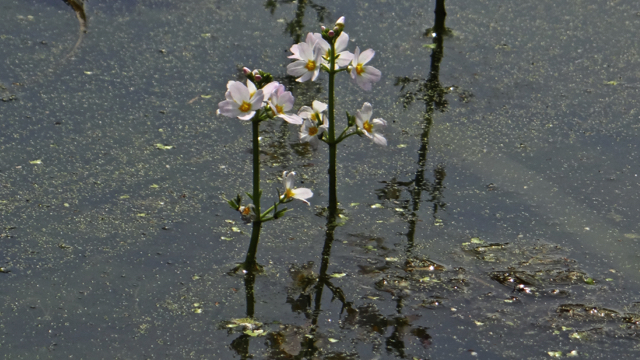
(297, 68)
(366, 56)
(229, 108)
(248, 116)
(319, 106)
(366, 111)
(239, 92)
(291, 118)
(302, 194)
(256, 100)
(379, 123)
(379, 139)
(341, 42)
(371, 74)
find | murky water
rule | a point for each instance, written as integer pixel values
(500, 223)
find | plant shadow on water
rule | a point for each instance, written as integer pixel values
(114, 238)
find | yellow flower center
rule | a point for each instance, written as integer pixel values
(246, 210)
(279, 109)
(310, 65)
(314, 117)
(367, 126)
(288, 193)
(359, 69)
(245, 107)
(313, 131)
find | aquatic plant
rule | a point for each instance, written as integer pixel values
(327, 51)
(260, 100)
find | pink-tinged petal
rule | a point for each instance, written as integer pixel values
(356, 55)
(231, 82)
(341, 42)
(270, 88)
(286, 100)
(248, 116)
(366, 56)
(312, 38)
(297, 68)
(306, 52)
(305, 77)
(353, 73)
(295, 51)
(371, 74)
(256, 100)
(366, 111)
(320, 42)
(291, 118)
(239, 92)
(363, 83)
(228, 108)
(344, 58)
(252, 87)
(302, 194)
(379, 139)
(227, 95)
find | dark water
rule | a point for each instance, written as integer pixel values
(500, 223)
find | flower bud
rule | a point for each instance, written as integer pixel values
(258, 77)
(323, 28)
(331, 33)
(246, 70)
(340, 23)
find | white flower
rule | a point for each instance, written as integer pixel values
(241, 101)
(268, 89)
(344, 57)
(370, 127)
(295, 48)
(289, 192)
(310, 131)
(316, 40)
(364, 75)
(316, 113)
(308, 64)
(281, 101)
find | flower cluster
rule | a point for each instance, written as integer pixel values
(315, 53)
(244, 102)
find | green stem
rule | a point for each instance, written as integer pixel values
(250, 260)
(333, 197)
(256, 163)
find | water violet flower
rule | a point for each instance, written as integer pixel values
(241, 101)
(370, 127)
(281, 101)
(310, 131)
(308, 64)
(364, 75)
(316, 113)
(289, 192)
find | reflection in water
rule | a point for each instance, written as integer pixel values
(432, 93)
(78, 7)
(295, 27)
(241, 344)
